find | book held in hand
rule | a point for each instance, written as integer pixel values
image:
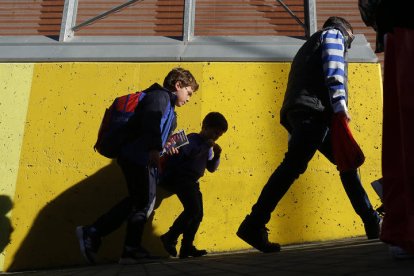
(176, 140)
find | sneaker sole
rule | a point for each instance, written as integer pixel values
(79, 235)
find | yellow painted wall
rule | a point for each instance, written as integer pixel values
(15, 83)
(61, 182)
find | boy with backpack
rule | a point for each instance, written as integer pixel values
(144, 136)
(180, 175)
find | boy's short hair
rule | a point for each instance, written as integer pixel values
(337, 21)
(183, 76)
(215, 120)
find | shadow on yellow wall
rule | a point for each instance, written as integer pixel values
(52, 240)
(61, 183)
(5, 225)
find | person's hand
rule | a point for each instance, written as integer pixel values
(154, 159)
(170, 149)
(216, 150)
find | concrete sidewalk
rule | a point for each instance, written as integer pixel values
(344, 257)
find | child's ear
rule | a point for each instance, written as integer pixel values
(177, 85)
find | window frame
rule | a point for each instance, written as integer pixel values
(70, 47)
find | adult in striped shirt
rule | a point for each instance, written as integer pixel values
(316, 90)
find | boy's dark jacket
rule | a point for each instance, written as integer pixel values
(148, 129)
(191, 162)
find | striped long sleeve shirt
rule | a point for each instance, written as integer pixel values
(333, 56)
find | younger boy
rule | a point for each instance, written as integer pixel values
(147, 131)
(181, 174)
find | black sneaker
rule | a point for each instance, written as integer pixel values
(89, 243)
(257, 237)
(373, 228)
(191, 251)
(169, 244)
(136, 256)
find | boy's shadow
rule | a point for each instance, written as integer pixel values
(5, 225)
(51, 241)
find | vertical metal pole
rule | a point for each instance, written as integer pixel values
(189, 17)
(68, 20)
(310, 17)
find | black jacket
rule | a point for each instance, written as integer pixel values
(306, 89)
(153, 121)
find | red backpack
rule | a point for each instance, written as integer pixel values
(112, 134)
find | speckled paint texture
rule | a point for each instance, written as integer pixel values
(15, 83)
(60, 182)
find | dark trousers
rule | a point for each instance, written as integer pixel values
(133, 209)
(188, 222)
(309, 134)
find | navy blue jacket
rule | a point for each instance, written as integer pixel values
(148, 129)
(191, 162)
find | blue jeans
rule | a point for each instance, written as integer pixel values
(309, 133)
